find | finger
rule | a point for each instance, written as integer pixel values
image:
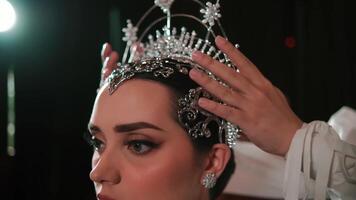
(227, 95)
(105, 51)
(138, 48)
(228, 113)
(282, 97)
(110, 64)
(227, 74)
(246, 67)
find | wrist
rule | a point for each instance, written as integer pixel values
(289, 134)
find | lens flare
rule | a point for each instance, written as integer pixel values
(7, 16)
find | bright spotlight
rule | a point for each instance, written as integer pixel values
(7, 16)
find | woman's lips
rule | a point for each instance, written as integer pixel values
(103, 197)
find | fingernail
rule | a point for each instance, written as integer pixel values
(106, 60)
(194, 73)
(220, 40)
(197, 55)
(104, 72)
(105, 45)
(103, 49)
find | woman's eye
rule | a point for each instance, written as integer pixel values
(140, 146)
(97, 144)
(94, 142)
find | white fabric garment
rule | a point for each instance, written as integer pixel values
(320, 165)
(344, 123)
(329, 163)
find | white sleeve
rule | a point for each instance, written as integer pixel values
(319, 165)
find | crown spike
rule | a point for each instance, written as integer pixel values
(192, 39)
(211, 49)
(186, 39)
(158, 34)
(198, 44)
(174, 31)
(150, 39)
(226, 57)
(204, 46)
(216, 56)
(182, 33)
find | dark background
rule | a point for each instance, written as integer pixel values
(54, 50)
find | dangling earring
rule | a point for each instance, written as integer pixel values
(209, 180)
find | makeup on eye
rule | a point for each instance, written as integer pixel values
(141, 142)
(94, 142)
(137, 143)
(140, 146)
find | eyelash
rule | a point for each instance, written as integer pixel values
(98, 144)
(130, 145)
(93, 142)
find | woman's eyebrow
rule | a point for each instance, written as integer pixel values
(135, 126)
(93, 128)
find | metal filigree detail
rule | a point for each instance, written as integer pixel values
(117, 77)
(197, 121)
(159, 67)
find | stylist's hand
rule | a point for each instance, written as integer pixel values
(109, 59)
(253, 103)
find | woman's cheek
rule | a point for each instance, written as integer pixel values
(169, 170)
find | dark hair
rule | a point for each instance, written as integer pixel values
(180, 84)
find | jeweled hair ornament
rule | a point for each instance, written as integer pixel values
(170, 52)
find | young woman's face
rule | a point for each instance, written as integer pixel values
(142, 151)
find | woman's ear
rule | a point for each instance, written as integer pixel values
(217, 159)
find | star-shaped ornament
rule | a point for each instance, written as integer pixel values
(130, 33)
(211, 13)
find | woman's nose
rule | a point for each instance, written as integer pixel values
(104, 169)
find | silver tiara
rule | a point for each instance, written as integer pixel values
(170, 52)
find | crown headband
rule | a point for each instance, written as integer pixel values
(170, 52)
